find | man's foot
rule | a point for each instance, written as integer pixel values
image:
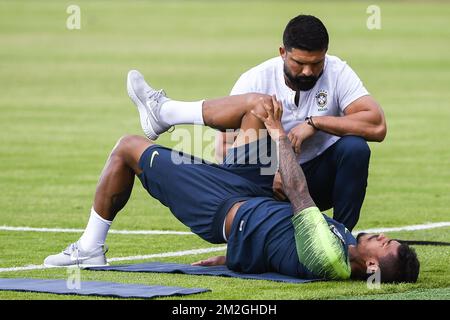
(73, 255)
(148, 102)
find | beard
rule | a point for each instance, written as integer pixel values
(302, 83)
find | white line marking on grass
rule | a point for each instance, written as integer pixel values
(61, 230)
(162, 232)
(25, 268)
(131, 258)
(407, 228)
(194, 251)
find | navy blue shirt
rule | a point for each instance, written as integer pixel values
(262, 239)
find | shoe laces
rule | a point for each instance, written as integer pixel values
(155, 95)
(73, 247)
(73, 250)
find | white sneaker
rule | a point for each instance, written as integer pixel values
(148, 102)
(73, 255)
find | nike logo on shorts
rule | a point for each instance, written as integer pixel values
(155, 153)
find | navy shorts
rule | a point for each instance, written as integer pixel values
(197, 192)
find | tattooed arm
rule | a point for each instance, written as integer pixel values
(294, 181)
(318, 249)
(293, 178)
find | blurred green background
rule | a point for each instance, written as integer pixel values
(63, 100)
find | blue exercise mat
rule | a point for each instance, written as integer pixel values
(95, 288)
(161, 267)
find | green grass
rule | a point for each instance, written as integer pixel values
(63, 105)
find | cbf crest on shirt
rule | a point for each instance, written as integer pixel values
(321, 100)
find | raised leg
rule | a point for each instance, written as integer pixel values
(228, 112)
(234, 112)
(157, 112)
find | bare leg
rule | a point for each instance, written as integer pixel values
(227, 113)
(117, 178)
(234, 112)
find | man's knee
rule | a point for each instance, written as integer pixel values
(354, 149)
(130, 147)
(126, 143)
(128, 151)
(257, 103)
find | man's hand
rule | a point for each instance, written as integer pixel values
(292, 175)
(213, 261)
(278, 187)
(273, 119)
(299, 134)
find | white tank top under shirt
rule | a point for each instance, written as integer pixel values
(337, 87)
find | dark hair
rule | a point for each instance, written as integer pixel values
(401, 268)
(305, 32)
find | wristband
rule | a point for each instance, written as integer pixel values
(309, 120)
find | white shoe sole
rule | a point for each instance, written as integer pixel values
(82, 266)
(142, 109)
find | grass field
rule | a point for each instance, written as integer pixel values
(63, 105)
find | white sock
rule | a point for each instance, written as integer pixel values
(179, 112)
(94, 235)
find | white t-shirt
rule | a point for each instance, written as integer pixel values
(338, 87)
